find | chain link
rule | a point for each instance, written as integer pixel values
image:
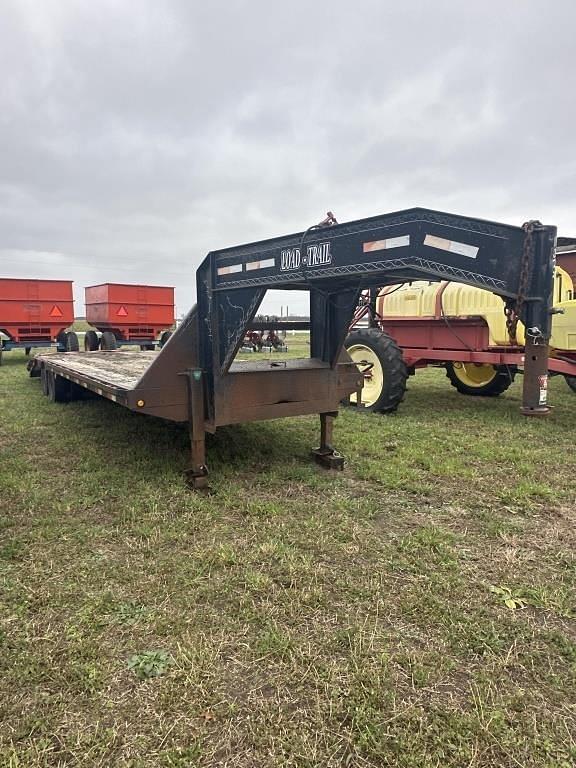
(513, 307)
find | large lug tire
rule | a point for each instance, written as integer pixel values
(380, 361)
(480, 379)
(108, 341)
(571, 381)
(91, 341)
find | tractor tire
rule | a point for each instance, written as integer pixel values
(72, 344)
(480, 379)
(571, 381)
(385, 372)
(108, 341)
(91, 341)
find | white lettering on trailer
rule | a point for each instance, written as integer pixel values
(391, 242)
(319, 254)
(289, 259)
(471, 251)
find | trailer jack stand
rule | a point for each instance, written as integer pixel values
(197, 478)
(535, 385)
(326, 456)
(197, 473)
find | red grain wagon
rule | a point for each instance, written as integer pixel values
(36, 313)
(128, 314)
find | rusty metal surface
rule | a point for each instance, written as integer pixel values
(253, 392)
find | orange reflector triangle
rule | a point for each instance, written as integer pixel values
(55, 311)
(122, 312)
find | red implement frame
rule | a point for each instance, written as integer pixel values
(34, 312)
(131, 312)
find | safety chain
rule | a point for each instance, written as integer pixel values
(513, 307)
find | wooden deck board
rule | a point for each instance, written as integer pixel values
(122, 369)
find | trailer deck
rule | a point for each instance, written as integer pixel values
(196, 379)
(120, 369)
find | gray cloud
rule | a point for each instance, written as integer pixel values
(137, 136)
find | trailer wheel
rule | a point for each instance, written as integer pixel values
(480, 379)
(91, 341)
(58, 388)
(108, 341)
(380, 360)
(164, 338)
(571, 381)
(44, 381)
(72, 344)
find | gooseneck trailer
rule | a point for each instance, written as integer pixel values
(195, 377)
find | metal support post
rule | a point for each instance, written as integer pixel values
(197, 472)
(535, 384)
(325, 455)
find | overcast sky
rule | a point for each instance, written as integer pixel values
(137, 136)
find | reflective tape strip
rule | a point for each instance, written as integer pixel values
(381, 245)
(230, 269)
(265, 264)
(471, 251)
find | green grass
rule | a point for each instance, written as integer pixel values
(416, 610)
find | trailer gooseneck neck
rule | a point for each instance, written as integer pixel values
(195, 379)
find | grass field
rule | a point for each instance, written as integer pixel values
(416, 610)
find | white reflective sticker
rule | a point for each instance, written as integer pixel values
(543, 383)
(471, 251)
(230, 270)
(391, 242)
(265, 264)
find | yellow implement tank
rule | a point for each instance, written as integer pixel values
(453, 300)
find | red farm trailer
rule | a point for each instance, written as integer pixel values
(128, 314)
(36, 313)
(197, 380)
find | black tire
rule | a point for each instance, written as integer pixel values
(44, 381)
(61, 389)
(394, 370)
(164, 338)
(58, 388)
(61, 341)
(91, 341)
(571, 381)
(503, 378)
(72, 344)
(108, 341)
